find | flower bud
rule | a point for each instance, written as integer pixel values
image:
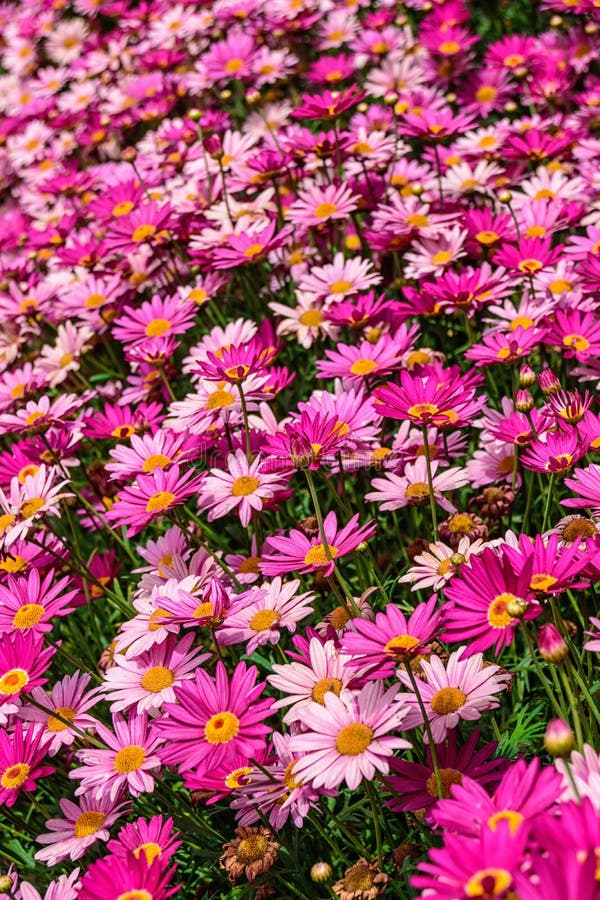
(556, 21)
(559, 740)
(505, 196)
(551, 644)
(320, 872)
(128, 154)
(527, 376)
(548, 382)
(516, 607)
(523, 401)
(212, 145)
(6, 884)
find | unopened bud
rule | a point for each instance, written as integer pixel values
(320, 872)
(516, 607)
(390, 98)
(548, 382)
(527, 376)
(556, 21)
(551, 644)
(559, 739)
(252, 95)
(225, 94)
(510, 106)
(505, 196)
(213, 146)
(417, 189)
(195, 115)
(129, 154)
(523, 401)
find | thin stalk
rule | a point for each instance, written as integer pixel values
(432, 503)
(376, 823)
(432, 747)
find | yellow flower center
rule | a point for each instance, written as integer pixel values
(6, 521)
(18, 563)
(419, 491)
(17, 392)
(513, 818)
(122, 208)
(31, 507)
(234, 65)
(487, 237)
(529, 266)
(157, 678)
(204, 610)
(198, 295)
(154, 621)
(579, 527)
(339, 617)
(244, 485)
(513, 60)
(460, 524)
(448, 777)
(354, 739)
(498, 617)
(324, 210)
(89, 823)
(325, 686)
(156, 461)
(317, 555)
(401, 644)
(311, 318)
(535, 231)
(142, 233)
(13, 681)
(95, 300)
(542, 582)
(150, 850)
(340, 287)
(560, 286)
(448, 700)
(219, 400)
(363, 366)
(221, 728)
(486, 93)
(441, 258)
(15, 776)
(250, 565)
(65, 712)
(123, 431)
(253, 250)
(238, 777)
(28, 615)
(577, 341)
(129, 759)
(264, 620)
(159, 501)
(157, 327)
(521, 322)
(135, 894)
(33, 417)
(488, 883)
(422, 410)
(449, 48)
(288, 777)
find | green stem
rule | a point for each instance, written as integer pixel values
(548, 502)
(427, 726)
(376, 823)
(432, 503)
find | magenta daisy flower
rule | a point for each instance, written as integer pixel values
(152, 496)
(126, 764)
(243, 487)
(154, 839)
(128, 877)
(586, 484)
(154, 318)
(428, 401)
(524, 792)
(83, 825)
(150, 679)
(317, 205)
(415, 785)
(482, 598)
(297, 552)
(23, 661)
(390, 639)
(27, 604)
(349, 739)
(214, 718)
(257, 616)
(20, 756)
(69, 699)
(144, 224)
(462, 689)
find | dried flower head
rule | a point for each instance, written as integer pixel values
(252, 853)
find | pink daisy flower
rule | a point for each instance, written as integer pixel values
(28, 604)
(148, 452)
(68, 699)
(20, 756)
(214, 718)
(323, 669)
(348, 740)
(584, 769)
(297, 552)
(586, 484)
(145, 224)
(23, 661)
(258, 615)
(338, 279)
(412, 488)
(462, 689)
(154, 839)
(439, 564)
(66, 887)
(83, 825)
(154, 318)
(391, 639)
(317, 205)
(152, 496)
(415, 785)
(116, 877)
(126, 764)
(150, 679)
(244, 487)
(356, 363)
